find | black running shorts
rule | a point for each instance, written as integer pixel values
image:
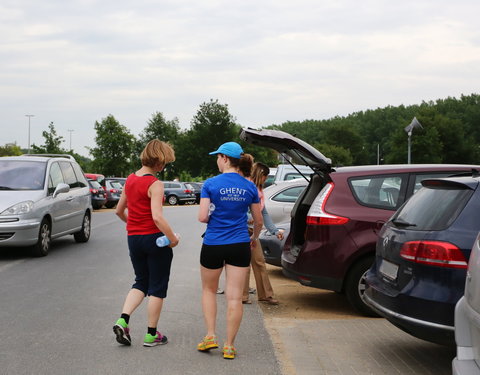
(216, 256)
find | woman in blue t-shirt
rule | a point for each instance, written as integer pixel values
(225, 200)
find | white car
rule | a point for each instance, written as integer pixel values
(281, 196)
(467, 320)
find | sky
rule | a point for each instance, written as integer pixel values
(75, 62)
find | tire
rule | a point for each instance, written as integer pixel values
(84, 234)
(97, 206)
(172, 200)
(42, 247)
(110, 204)
(355, 286)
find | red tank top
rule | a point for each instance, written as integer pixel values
(139, 219)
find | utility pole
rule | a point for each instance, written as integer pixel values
(29, 117)
(70, 131)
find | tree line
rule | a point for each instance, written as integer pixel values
(450, 133)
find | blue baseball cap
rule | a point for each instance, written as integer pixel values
(232, 149)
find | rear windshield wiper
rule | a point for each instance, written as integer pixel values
(401, 223)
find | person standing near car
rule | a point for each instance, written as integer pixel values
(224, 202)
(140, 206)
(265, 294)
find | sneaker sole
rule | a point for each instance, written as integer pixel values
(152, 344)
(121, 338)
(207, 348)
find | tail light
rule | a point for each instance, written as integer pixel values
(317, 214)
(93, 191)
(114, 191)
(188, 191)
(434, 253)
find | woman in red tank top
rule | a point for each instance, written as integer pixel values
(140, 206)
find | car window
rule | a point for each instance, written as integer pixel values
(420, 177)
(288, 195)
(69, 174)
(166, 185)
(82, 181)
(55, 177)
(293, 176)
(22, 175)
(378, 191)
(433, 208)
(95, 184)
(116, 185)
(175, 186)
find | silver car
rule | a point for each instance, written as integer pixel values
(42, 198)
(280, 197)
(467, 319)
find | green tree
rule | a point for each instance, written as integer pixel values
(114, 148)
(211, 126)
(52, 142)
(339, 155)
(158, 128)
(10, 149)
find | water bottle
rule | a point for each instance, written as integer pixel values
(163, 241)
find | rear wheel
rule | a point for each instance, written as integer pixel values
(110, 204)
(84, 234)
(355, 286)
(42, 247)
(172, 200)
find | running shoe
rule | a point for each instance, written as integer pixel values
(158, 339)
(208, 342)
(229, 352)
(122, 332)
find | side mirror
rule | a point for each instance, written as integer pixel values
(61, 188)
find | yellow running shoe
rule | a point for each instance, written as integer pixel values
(208, 342)
(229, 352)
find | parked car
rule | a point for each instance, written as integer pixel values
(178, 192)
(336, 220)
(197, 189)
(113, 189)
(99, 197)
(96, 177)
(272, 246)
(280, 198)
(270, 178)
(467, 319)
(42, 198)
(421, 259)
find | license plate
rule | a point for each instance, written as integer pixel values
(388, 269)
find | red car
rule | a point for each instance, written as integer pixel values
(336, 220)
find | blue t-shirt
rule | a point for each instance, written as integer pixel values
(230, 197)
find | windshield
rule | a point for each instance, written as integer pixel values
(22, 175)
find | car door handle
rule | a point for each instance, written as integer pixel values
(70, 198)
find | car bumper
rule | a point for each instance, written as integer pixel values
(467, 335)
(426, 330)
(19, 233)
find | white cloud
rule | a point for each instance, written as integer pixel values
(76, 62)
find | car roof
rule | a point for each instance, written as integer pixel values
(39, 157)
(405, 167)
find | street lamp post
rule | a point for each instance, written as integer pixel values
(409, 129)
(70, 131)
(29, 117)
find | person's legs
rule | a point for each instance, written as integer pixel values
(262, 281)
(132, 301)
(246, 288)
(154, 308)
(235, 280)
(210, 279)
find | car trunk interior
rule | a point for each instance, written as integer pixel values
(302, 206)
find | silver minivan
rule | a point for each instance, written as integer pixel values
(42, 197)
(467, 319)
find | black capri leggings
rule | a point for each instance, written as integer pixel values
(216, 256)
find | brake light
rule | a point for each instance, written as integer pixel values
(434, 253)
(114, 191)
(188, 191)
(94, 191)
(317, 214)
